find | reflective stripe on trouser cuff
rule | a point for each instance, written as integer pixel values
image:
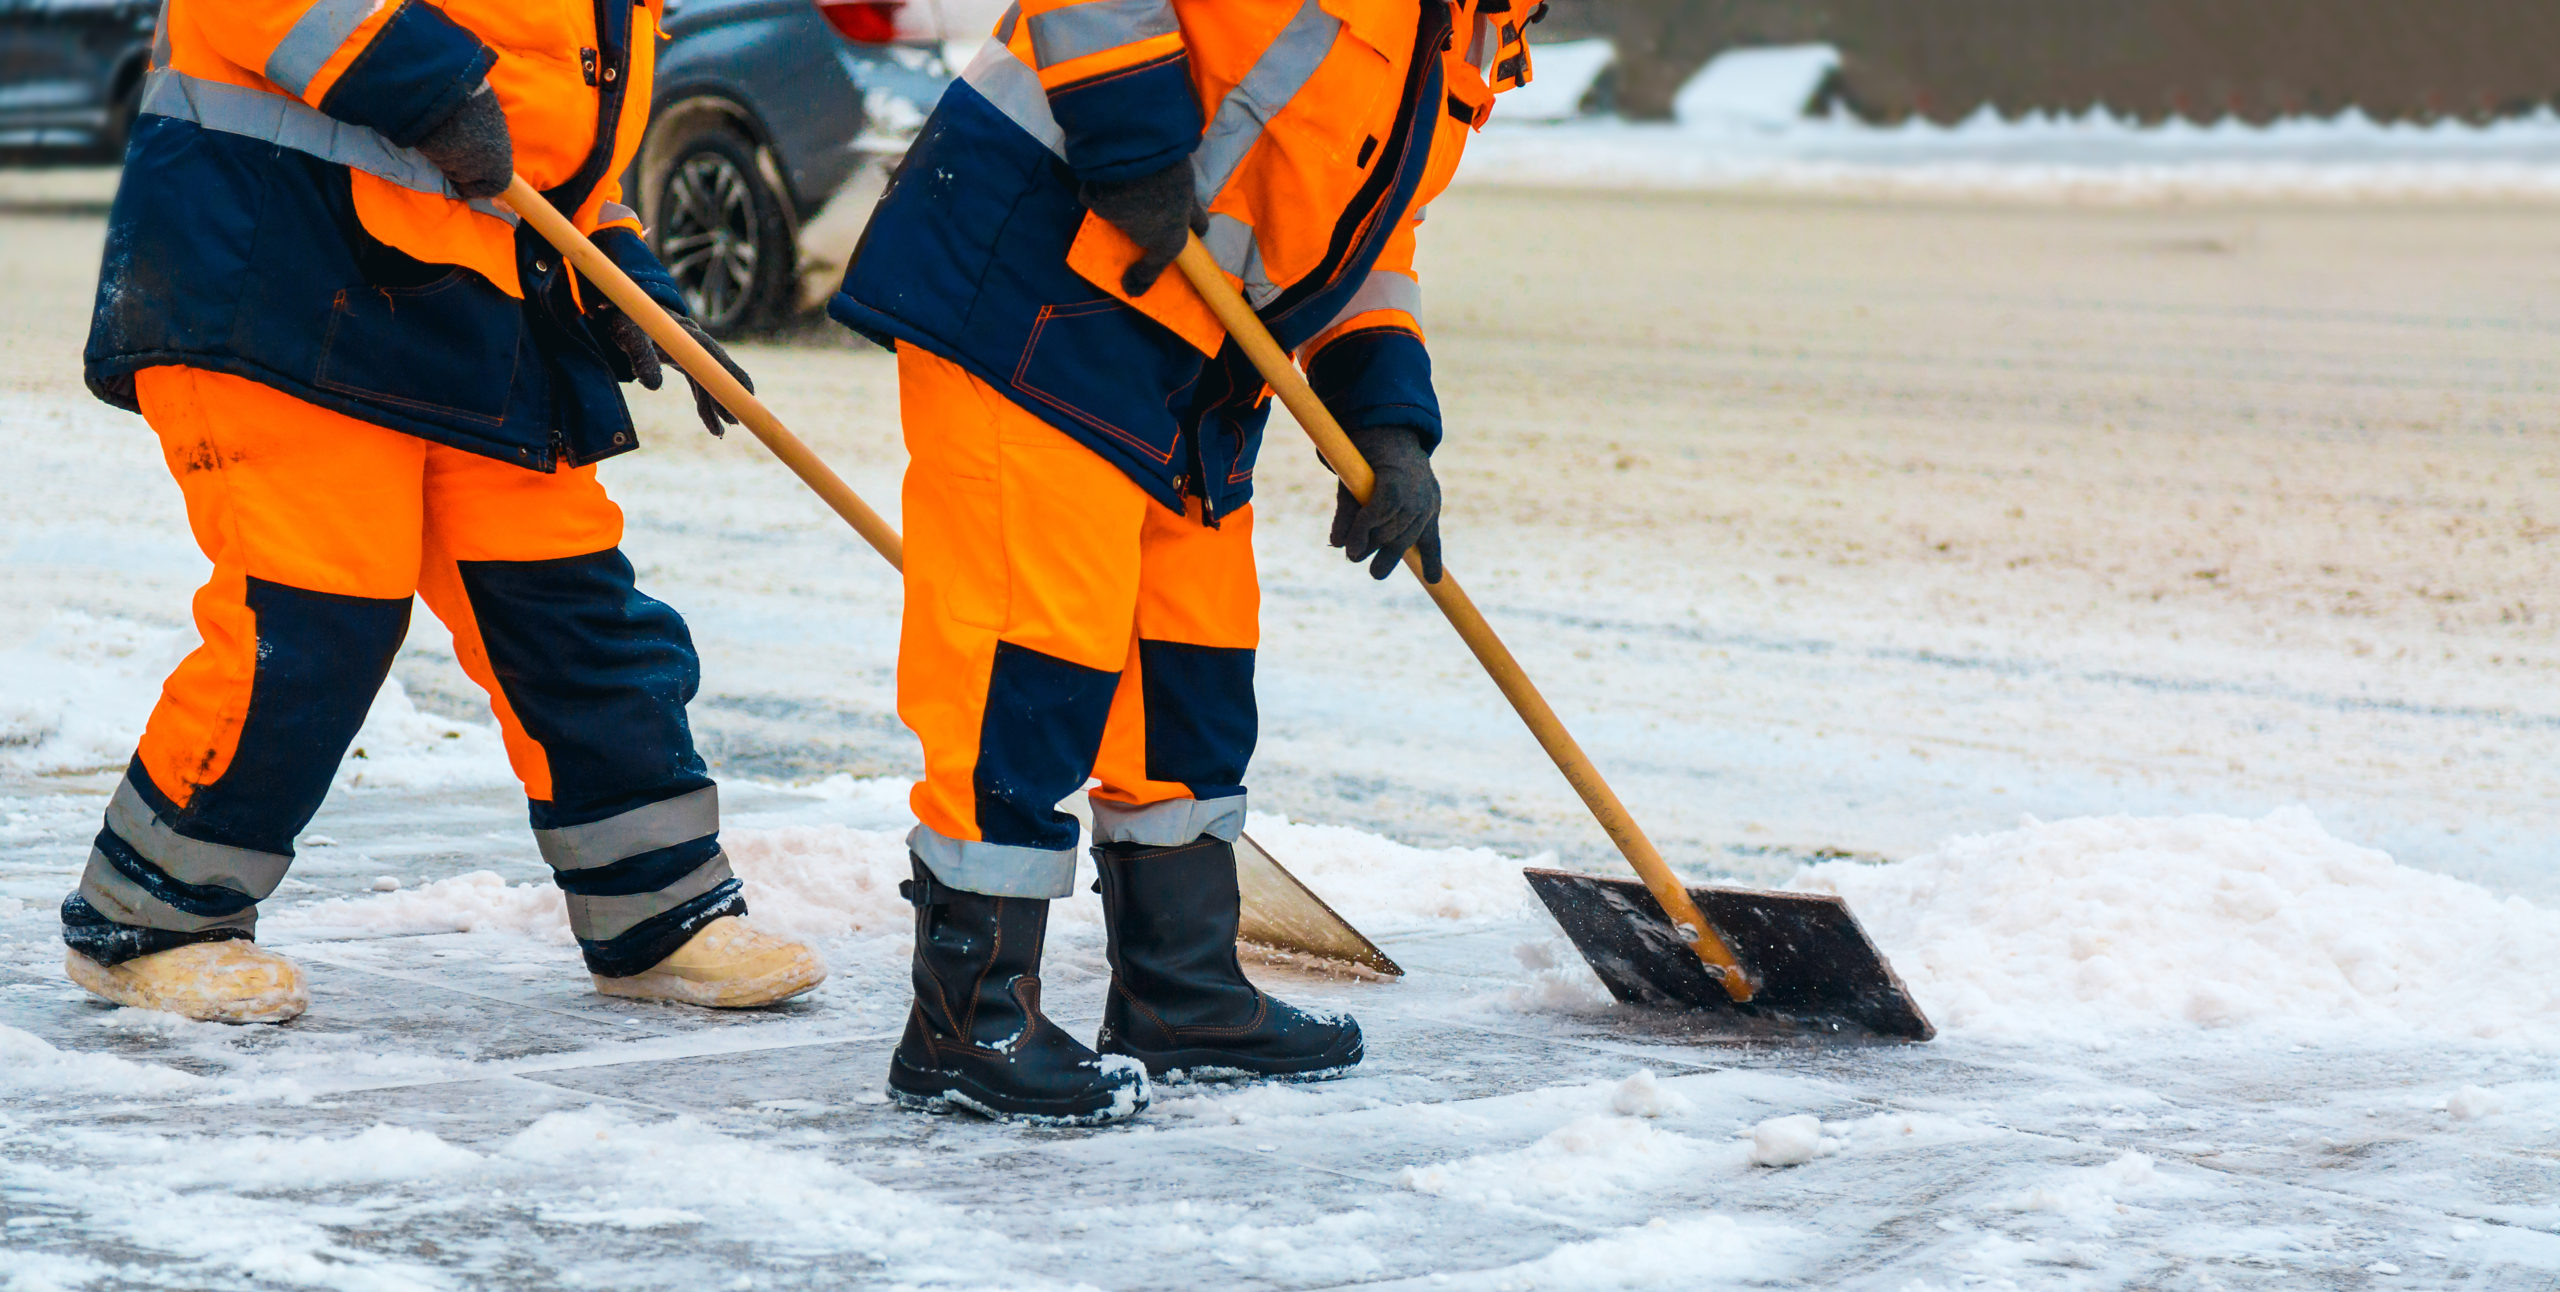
(191, 861)
(1169, 824)
(291, 123)
(602, 919)
(1009, 83)
(1063, 35)
(1384, 289)
(664, 824)
(114, 895)
(315, 36)
(994, 869)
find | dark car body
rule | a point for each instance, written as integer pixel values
(771, 112)
(70, 75)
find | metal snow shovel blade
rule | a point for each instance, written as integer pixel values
(1278, 910)
(1814, 965)
(1282, 913)
(1812, 987)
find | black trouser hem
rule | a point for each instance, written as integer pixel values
(656, 938)
(101, 939)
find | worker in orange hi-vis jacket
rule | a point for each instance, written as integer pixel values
(1081, 595)
(373, 385)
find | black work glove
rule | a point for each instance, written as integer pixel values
(1159, 212)
(1403, 511)
(648, 363)
(472, 147)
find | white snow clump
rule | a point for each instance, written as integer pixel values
(2099, 925)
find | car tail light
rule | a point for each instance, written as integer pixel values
(866, 22)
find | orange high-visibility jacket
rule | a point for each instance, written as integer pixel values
(276, 221)
(1316, 132)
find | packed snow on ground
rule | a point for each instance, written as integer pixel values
(1742, 121)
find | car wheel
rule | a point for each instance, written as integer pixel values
(722, 234)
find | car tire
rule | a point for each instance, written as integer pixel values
(722, 233)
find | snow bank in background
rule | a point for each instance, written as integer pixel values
(1766, 88)
(2103, 925)
(2094, 156)
(1562, 74)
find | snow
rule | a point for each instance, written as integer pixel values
(1789, 1141)
(2102, 926)
(1762, 88)
(1731, 132)
(2190, 1037)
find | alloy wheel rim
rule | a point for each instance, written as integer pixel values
(710, 240)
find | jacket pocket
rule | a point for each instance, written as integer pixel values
(449, 347)
(1112, 371)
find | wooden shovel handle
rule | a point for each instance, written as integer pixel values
(1281, 371)
(698, 364)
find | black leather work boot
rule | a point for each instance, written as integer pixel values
(1180, 1002)
(976, 1038)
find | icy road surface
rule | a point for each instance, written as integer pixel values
(2217, 539)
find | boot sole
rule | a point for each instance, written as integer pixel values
(752, 993)
(102, 981)
(916, 1090)
(1178, 1067)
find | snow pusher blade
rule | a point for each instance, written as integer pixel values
(1287, 915)
(1812, 968)
(1283, 914)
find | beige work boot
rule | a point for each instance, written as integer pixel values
(730, 964)
(234, 981)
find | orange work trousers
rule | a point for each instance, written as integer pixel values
(321, 529)
(1061, 626)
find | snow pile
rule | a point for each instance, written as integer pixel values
(1765, 88)
(2102, 925)
(1790, 1141)
(1375, 880)
(2094, 156)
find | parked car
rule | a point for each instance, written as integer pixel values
(775, 126)
(71, 75)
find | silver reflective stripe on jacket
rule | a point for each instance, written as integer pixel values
(615, 213)
(1383, 289)
(291, 123)
(1010, 84)
(602, 919)
(681, 819)
(1276, 77)
(246, 871)
(994, 869)
(1169, 824)
(321, 30)
(1231, 243)
(1064, 35)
